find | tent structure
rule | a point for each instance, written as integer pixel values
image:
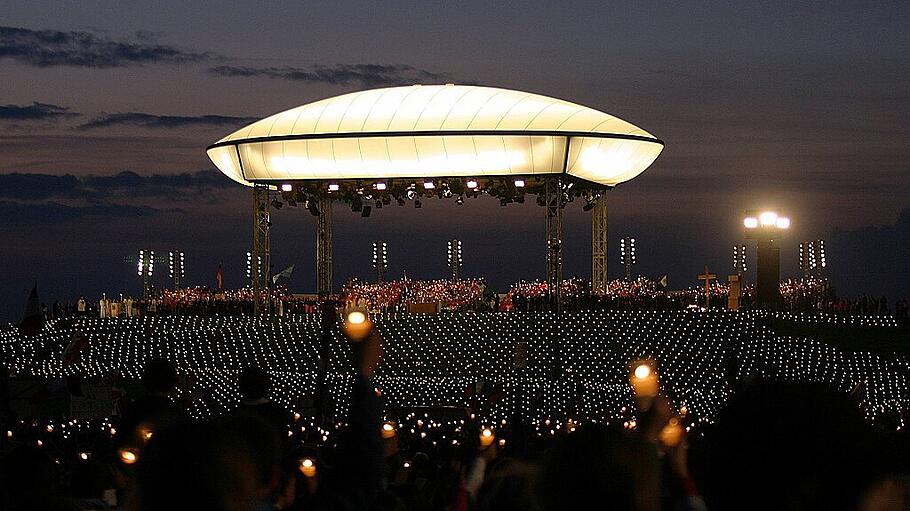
(456, 141)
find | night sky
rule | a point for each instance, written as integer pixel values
(106, 109)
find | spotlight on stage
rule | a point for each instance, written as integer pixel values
(287, 187)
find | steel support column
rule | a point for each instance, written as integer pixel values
(599, 253)
(553, 202)
(324, 247)
(259, 262)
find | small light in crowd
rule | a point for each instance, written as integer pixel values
(428, 185)
(147, 434)
(642, 371)
(388, 430)
(380, 186)
(406, 464)
(333, 187)
(84, 456)
(486, 437)
(502, 442)
(356, 317)
(471, 184)
(287, 187)
(50, 428)
(750, 222)
(40, 443)
(128, 456)
(519, 183)
(307, 467)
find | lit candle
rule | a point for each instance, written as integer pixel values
(308, 467)
(357, 325)
(388, 430)
(128, 456)
(487, 437)
(644, 380)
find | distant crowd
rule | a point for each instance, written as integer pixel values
(797, 296)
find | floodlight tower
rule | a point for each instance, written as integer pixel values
(454, 257)
(812, 257)
(253, 272)
(380, 259)
(739, 259)
(175, 266)
(627, 251)
(766, 228)
(145, 267)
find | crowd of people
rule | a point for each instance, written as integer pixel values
(774, 446)
(450, 295)
(807, 295)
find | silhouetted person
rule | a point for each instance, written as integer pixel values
(785, 445)
(255, 385)
(227, 465)
(29, 481)
(154, 411)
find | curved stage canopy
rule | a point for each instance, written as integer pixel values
(430, 131)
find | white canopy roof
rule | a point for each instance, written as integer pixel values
(426, 131)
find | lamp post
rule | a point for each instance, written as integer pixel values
(766, 227)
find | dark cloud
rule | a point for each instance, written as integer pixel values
(38, 187)
(35, 112)
(30, 214)
(370, 75)
(164, 121)
(873, 259)
(49, 48)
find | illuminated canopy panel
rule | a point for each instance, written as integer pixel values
(426, 131)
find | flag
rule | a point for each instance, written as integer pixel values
(286, 273)
(33, 320)
(219, 278)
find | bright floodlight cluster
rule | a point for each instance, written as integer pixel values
(145, 265)
(766, 220)
(576, 368)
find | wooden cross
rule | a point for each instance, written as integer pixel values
(707, 277)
